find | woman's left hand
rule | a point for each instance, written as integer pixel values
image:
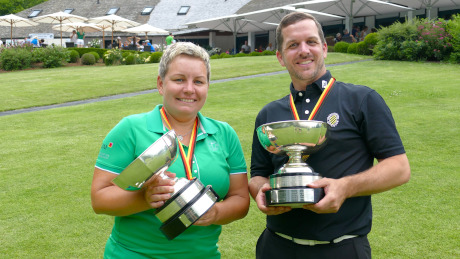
(208, 218)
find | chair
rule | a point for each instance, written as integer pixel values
(69, 44)
(147, 48)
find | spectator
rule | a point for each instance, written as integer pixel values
(169, 39)
(80, 39)
(245, 47)
(338, 37)
(269, 47)
(363, 33)
(74, 37)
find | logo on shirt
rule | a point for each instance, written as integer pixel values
(333, 119)
(324, 84)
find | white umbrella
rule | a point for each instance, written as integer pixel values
(427, 4)
(233, 23)
(59, 17)
(146, 28)
(274, 15)
(85, 27)
(114, 22)
(15, 21)
(352, 8)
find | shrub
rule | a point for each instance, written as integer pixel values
(241, 55)
(363, 48)
(130, 60)
(435, 39)
(88, 59)
(341, 47)
(82, 51)
(353, 48)
(453, 28)
(15, 58)
(225, 55)
(255, 53)
(330, 48)
(155, 57)
(215, 56)
(268, 52)
(55, 57)
(74, 56)
(96, 56)
(38, 55)
(112, 57)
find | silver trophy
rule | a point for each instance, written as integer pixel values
(297, 139)
(190, 199)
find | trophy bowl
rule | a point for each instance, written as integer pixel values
(190, 199)
(297, 139)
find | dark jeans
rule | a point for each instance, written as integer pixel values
(270, 245)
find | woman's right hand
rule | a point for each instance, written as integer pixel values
(158, 189)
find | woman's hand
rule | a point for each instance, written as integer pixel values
(158, 190)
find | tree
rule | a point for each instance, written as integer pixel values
(15, 6)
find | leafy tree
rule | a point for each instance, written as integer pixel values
(15, 6)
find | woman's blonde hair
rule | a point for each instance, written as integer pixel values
(183, 48)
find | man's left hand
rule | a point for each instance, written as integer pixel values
(335, 195)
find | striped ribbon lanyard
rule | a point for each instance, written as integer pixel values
(187, 159)
(318, 104)
(315, 109)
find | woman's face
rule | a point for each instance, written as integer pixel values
(184, 88)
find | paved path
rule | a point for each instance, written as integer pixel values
(119, 96)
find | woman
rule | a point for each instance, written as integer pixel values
(183, 81)
(80, 39)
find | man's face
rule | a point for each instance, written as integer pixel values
(303, 53)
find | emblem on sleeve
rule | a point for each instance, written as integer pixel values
(333, 119)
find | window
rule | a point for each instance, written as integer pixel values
(34, 13)
(183, 10)
(113, 10)
(147, 10)
(68, 10)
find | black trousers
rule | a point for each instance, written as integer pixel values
(270, 245)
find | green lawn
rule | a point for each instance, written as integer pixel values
(47, 157)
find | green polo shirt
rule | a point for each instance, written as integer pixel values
(218, 154)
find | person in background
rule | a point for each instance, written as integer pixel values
(338, 37)
(169, 40)
(269, 47)
(74, 37)
(363, 33)
(245, 47)
(35, 42)
(361, 129)
(183, 81)
(147, 43)
(80, 39)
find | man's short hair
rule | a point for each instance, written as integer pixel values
(294, 18)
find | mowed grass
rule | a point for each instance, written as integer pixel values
(23, 89)
(47, 159)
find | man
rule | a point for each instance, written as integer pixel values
(169, 39)
(245, 47)
(150, 46)
(362, 129)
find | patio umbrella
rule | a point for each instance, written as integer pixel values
(274, 15)
(428, 4)
(146, 28)
(114, 22)
(233, 23)
(15, 21)
(85, 27)
(59, 17)
(352, 8)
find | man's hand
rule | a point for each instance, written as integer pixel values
(335, 195)
(261, 203)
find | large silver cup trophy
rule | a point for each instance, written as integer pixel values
(298, 139)
(190, 199)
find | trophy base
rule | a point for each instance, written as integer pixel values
(294, 197)
(190, 213)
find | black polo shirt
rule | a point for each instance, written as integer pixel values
(361, 129)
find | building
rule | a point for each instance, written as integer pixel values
(173, 15)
